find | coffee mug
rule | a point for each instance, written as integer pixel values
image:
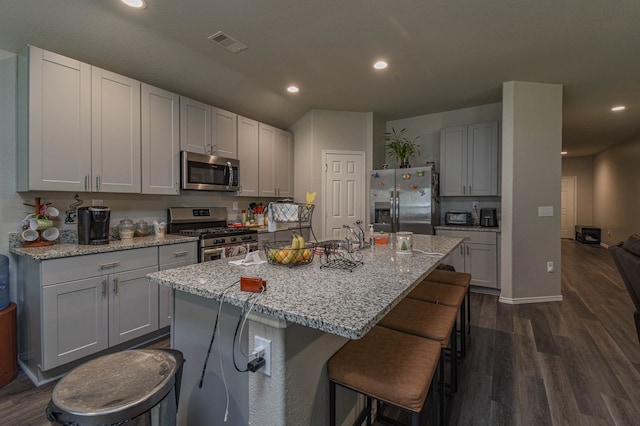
(40, 224)
(51, 234)
(29, 235)
(52, 212)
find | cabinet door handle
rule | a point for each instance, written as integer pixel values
(86, 182)
(98, 183)
(470, 189)
(109, 265)
(104, 288)
(115, 285)
(467, 250)
(180, 253)
(461, 250)
(464, 189)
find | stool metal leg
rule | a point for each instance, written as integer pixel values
(332, 403)
(454, 359)
(441, 393)
(463, 329)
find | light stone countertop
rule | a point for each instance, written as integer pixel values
(336, 301)
(472, 228)
(68, 249)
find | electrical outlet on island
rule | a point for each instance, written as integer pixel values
(475, 205)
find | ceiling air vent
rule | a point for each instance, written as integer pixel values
(229, 43)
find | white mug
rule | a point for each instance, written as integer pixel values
(29, 235)
(51, 234)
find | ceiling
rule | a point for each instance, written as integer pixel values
(443, 55)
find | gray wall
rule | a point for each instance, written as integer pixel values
(532, 136)
(616, 191)
(582, 169)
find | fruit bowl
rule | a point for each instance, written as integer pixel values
(282, 253)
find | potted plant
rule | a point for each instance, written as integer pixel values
(401, 147)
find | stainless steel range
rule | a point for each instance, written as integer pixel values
(217, 240)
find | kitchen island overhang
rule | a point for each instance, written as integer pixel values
(307, 312)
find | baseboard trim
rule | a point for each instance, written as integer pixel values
(523, 300)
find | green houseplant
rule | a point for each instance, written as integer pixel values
(401, 147)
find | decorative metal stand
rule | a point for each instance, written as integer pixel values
(332, 255)
(293, 212)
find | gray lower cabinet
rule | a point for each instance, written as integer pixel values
(477, 255)
(77, 306)
(172, 256)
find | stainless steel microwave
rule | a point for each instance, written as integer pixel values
(209, 172)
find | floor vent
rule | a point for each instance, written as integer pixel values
(229, 43)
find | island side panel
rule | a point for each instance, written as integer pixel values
(192, 324)
(297, 392)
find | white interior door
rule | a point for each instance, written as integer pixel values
(568, 207)
(344, 191)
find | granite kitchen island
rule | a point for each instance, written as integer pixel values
(307, 313)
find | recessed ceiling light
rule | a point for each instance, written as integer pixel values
(564, 152)
(292, 89)
(136, 4)
(619, 108)
(380, 65)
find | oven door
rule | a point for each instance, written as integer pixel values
(211, 253)
(215, 253)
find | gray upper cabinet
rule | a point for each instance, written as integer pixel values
(115, 132)
(248, 156)
(195, 126)
(283, 157)
(469, 160)
(54, 122)
(267, 168)
(78, 126)
(160, 141)
(224, 127)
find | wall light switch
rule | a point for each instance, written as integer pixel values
(235, 205)
(545, 210)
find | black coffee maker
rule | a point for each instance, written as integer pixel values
(93, 225)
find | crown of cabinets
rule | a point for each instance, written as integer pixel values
(469, 160)
(81, 128)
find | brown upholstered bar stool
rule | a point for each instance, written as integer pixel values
(431, 321)
(461, 279)
(448, 295)
(396, 368)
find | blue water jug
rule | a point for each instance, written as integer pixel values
(5, 298)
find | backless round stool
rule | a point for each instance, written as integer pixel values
(139, 387)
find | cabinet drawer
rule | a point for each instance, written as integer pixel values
(177, 252)
(478, 237)
(92, 265)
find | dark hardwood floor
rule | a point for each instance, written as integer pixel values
(575, 362)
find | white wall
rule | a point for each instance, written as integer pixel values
(532, 136)
(616, 191)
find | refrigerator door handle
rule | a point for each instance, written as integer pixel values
(397, 227)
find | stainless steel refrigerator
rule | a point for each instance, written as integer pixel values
(405, 200)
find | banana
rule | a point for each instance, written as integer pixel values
(301, 247)
(293, 253)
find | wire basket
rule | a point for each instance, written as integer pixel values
(334, 255)
(281, 253)
(291, 212)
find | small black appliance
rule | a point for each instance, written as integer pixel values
(93, 225)
(488, 217)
